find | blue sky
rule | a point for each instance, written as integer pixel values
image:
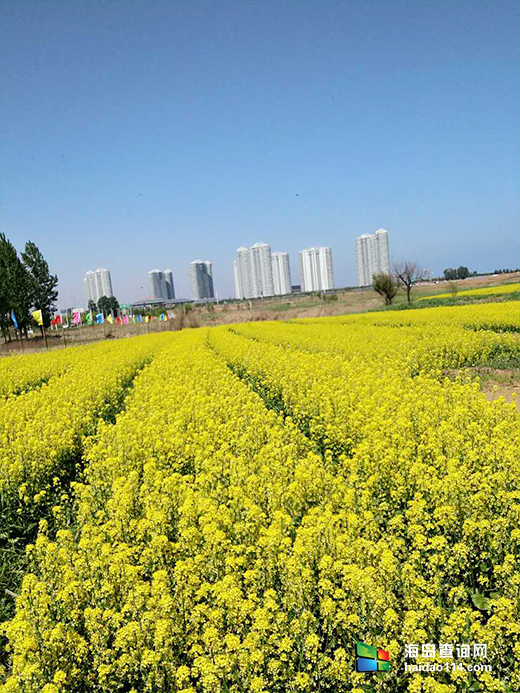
(140, 134)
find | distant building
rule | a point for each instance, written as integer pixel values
(253, 271)
(372, 256)
(316, 272)
(157, 284)
(201, 277)
(168, 278)
(281, 273)
(242, 273)
(160, 284)
(97, 284)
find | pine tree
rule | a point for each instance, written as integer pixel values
(43, 284)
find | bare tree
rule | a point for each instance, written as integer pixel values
(454, 288)
(386, 286)
(407, 274)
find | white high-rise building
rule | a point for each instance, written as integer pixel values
(281, 273)
(97, 284)
(316, 273)
(89, 287)
(168, 278)
(253, 271)
(104, 282)
(201, 276)
(372, 256)
(156, 284)
(242, 273)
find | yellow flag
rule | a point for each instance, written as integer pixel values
(110, 319)
(146, 318)
(37, 315)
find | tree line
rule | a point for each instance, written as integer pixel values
(461, 273)
(26, 285)
(105, 305)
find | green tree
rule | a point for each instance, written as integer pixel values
(113, 303)
(42, 284)
(462, 272)
(104, 306)
(108, 304)
(450, 273)
(91, 306)
(385, 286)
(14, 288)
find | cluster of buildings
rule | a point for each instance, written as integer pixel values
(259, 273)
(160, 283)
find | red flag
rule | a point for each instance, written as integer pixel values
(56, 320)
(118, 320)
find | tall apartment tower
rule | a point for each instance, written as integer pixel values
(201, 276)
(242, 273)
(156, 284)
(160, 284)
(316, 273)
(168, 279)
(253, 271)
(90, 287)
(97, 284)
(372, 256)
(281, 273)
(104, 282)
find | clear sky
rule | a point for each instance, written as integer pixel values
(138, 134)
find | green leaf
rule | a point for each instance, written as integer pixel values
(479, 601)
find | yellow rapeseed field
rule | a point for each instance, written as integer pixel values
(248, 501)
(484, 291)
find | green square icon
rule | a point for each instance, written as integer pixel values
(363, 650)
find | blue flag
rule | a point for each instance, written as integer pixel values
(15, 321)
(99, 318)
(139, 318)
